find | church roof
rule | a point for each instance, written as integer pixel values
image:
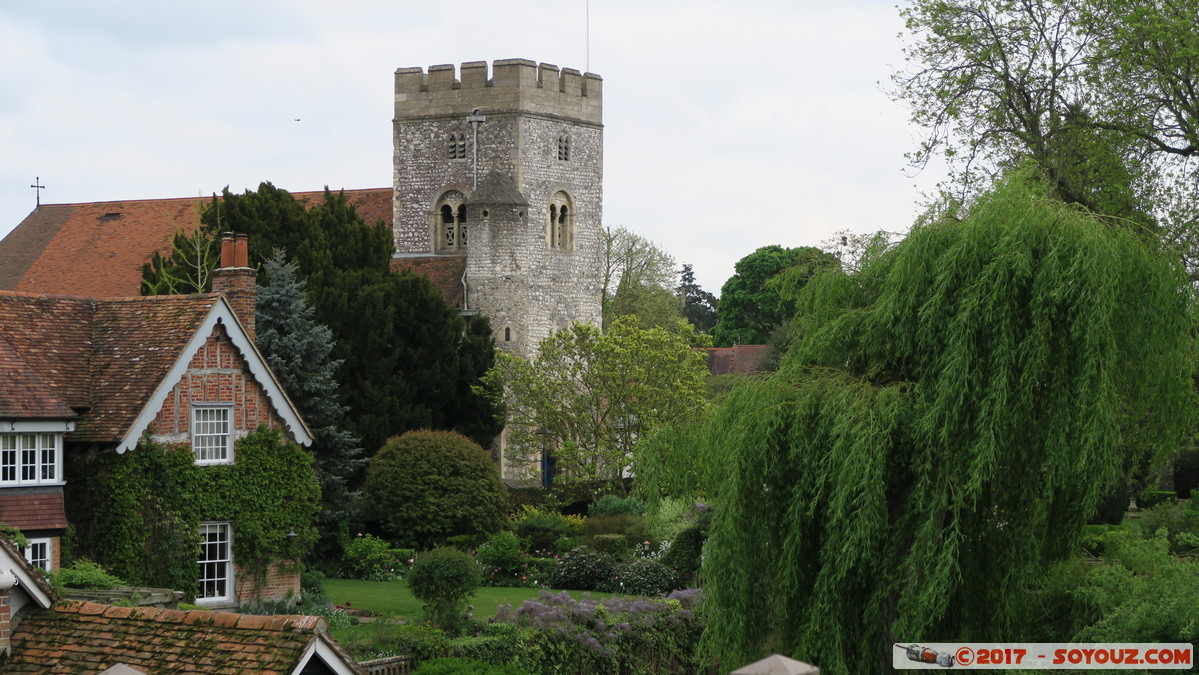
(98, 248)
(497, 188)
(444, 272)
(738, 359)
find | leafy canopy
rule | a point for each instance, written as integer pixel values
(1099, 94)
(699, 306)
(942, 431)
(751, 306)
(638, 280)
(588, 396)
(407, 360)
(425, 486)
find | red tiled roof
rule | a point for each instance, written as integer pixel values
(738, 359)
(98, 249)
(36, 511)
(104, 357)
(79, 637)
(445, 271)
(25, 395)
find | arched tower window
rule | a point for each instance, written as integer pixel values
(450, 221)
(456, 146)
(564, 147)
(560, 231)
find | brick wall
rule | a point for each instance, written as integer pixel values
(282, 581)
(5, 620)
(216, 374)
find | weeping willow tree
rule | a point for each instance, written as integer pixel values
(946, 425)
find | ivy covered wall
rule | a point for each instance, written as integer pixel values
(139, 514)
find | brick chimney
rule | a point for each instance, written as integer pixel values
(236, 280)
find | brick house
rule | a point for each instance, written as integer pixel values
(40, 633)
(98, 374)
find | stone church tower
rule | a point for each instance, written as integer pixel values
(502, 178)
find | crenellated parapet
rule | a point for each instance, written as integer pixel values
(514, 84)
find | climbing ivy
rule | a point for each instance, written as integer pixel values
(139, 513)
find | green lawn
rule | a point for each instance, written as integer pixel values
(392, 599)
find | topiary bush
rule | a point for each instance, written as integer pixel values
(541, 530)
(425, 486)
(583, 569)
(632, 527)
(443, 579)
(643, 577)
(686, 552)
(613, 544)
(372, 559)
(611, 505)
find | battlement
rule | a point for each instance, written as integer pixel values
(514, 85)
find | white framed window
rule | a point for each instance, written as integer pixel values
(30, 459)
(212, 434)
(40, 553)
(216, 563)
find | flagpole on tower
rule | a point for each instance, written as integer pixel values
(587, 60)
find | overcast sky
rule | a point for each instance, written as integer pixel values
(728, 125)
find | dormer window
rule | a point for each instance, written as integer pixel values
(564, 147)
(456, 146)
(450, 222)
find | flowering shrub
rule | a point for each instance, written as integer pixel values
(557, 633)
(373, 559)
(504, 564)
(643, 577)
(583, 569)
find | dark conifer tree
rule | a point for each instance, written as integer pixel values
(699, 306)
(299, 351)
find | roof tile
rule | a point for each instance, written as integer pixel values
(99, 248)
(34, 511)
(123, 347)
(87, 637)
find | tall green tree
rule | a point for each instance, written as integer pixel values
(941, 433)
(299, 351)
(588, 397)
(699, 306)
(1099, 94)
(408, 360)
(638, 280)
(751, 307)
